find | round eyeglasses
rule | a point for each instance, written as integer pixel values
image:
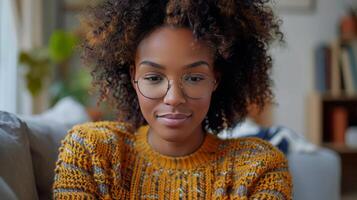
(156, 86)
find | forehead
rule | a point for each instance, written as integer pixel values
(168, 45)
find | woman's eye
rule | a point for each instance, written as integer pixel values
(153, 78)
(194, 78)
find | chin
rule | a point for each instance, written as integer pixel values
(173, 135)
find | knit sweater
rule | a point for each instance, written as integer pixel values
(102, 160)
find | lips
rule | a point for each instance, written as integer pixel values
(174, 115)
(173, 119)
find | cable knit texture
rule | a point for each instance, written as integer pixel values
(102, 160)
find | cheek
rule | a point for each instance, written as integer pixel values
(200, 107)
(147, 106)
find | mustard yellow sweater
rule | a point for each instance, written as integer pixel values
(102, 160)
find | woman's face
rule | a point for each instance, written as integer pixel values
(168, 107)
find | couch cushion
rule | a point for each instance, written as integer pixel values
(45, 134)
(45, 137)
(16, 171)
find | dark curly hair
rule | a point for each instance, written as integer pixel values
(239, 31)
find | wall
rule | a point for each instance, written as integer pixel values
(294, 63)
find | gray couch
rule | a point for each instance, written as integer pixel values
(28, 151)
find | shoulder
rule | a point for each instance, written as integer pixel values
(102, 129)
(102, 133)
(253, 143)
(252, 149)
(261, 168)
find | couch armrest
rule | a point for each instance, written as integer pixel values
(316, 175)
(17, 180)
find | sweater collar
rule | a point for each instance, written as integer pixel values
(205, 153)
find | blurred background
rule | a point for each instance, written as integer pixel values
(314, 72)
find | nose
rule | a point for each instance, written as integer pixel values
(174, 95)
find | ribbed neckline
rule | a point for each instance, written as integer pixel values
(205, 153)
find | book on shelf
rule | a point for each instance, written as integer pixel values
(321, 68)
(346, 70)
(352, 51)
(339, 124)
(336, 68)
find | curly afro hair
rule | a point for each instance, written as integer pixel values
(239, 31)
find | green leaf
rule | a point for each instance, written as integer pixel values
(34, 85)
(25, 58)
(62, 45)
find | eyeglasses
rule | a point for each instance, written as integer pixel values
(156, 86)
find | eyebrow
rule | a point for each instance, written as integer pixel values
(192, 65)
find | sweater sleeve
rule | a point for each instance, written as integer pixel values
(73, 173)
(275, 180)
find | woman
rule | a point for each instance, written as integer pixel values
(178, 73)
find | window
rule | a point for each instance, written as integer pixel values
(8, 56)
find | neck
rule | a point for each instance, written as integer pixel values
(176, 149)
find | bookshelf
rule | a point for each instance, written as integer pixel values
(320, 112)
(328, 117)
(332, 107)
